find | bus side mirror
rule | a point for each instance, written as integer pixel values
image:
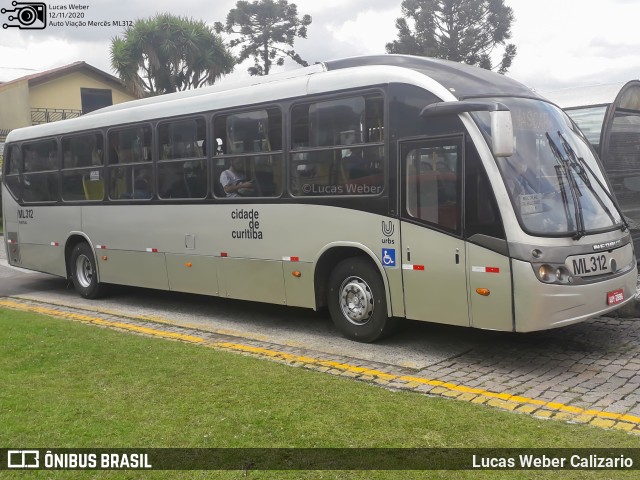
(502, 144)
(501, 133)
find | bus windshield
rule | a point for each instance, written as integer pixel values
(554, 181)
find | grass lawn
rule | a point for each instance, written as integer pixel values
(66, 384)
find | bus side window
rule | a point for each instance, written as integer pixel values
(130, 170)
(482, 215)
(13, 170)
(181, 167)
(346, 136)
(255, 138)
(433, 195)
(40, 171)
(82, 173)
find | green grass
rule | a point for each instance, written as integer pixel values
(66, 384)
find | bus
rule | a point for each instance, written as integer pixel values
(376, 187)
(609, 116)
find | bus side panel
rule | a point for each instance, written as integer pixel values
(299, 289)
(491, 271)
(42, 233)
(43, 258)
(138, 269)
(192, 274)
(249, 279)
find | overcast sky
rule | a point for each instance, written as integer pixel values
(561, 43)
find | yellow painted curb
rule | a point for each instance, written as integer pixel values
(501, 400)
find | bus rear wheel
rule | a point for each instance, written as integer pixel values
(357, 301)
(84, 273)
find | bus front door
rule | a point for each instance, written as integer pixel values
(433, 251)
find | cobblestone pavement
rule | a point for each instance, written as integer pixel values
(586, 373)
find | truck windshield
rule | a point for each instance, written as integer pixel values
(554, 181)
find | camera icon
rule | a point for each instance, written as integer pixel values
(29, 15)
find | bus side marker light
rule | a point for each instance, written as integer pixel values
(54, 244)
(104, 258)
(152, 250)
(296, 273)
(224, 254)
(290, 259)
(188, 264)
(485, 292)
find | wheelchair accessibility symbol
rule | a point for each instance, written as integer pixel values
(388, 257)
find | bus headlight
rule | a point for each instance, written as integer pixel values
(557, 274)
(563, 275)
(546, 273)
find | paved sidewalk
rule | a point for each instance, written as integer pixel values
(586, 373)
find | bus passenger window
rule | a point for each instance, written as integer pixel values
(344, 138)
(249, 151)
(433, 185)
(40, 171)
(130, 145)
(82, 176)
(130, 171)
(183, 139)
(12, 171)
(182, 169)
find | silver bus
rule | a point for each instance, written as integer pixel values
(379, 187)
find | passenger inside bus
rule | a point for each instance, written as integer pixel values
(234, 180)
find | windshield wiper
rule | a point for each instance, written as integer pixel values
(563, 191)
(573, 188)
(579, 164)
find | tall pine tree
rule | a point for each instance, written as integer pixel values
(266, 31)
(467, 31)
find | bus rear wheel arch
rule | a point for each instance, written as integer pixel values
(357, 302)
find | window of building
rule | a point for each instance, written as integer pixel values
(95, 98)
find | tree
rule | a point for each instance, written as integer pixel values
(267, 31)
(167, 53)
(465, 31)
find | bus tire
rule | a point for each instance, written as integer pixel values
(357, 301)
(84, 273)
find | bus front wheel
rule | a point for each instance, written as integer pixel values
(357, 301)
(84, 274)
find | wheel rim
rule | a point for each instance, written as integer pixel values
(84, 271)
(356, 300)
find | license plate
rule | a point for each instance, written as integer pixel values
(587, 265)
(614, 297)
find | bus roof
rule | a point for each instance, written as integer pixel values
(463, 81)
(448, 80)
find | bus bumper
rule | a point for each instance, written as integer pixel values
(541, 306)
